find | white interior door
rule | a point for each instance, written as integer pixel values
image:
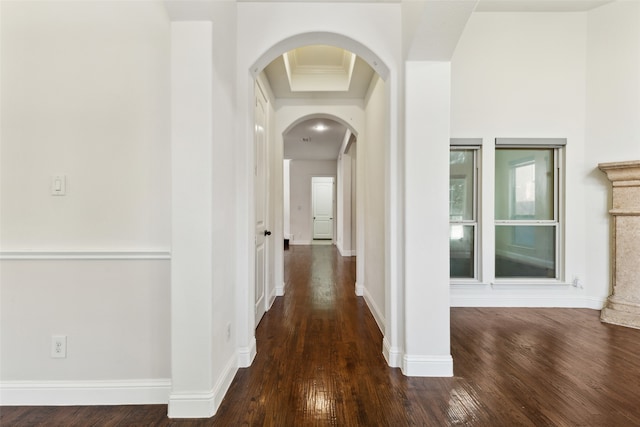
(261, 194)
(322, 199)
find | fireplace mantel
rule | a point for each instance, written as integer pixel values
(623, 305)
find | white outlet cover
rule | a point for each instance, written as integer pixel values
(58, 346)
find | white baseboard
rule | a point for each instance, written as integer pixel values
(271, 298)
(595, 303)
(225, 380)
(192, 405)
(280, 290)
(203, 405)
(300, 242)
(375, 310)
(247, 354)
(345, 252)
(359, 289)
(66, 393)
(392, 355)
(491, 299)
(427, 366)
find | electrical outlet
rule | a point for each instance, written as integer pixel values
(576, 282)
(59, 346)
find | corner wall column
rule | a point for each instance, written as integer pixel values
(191, 209)
(427, 115)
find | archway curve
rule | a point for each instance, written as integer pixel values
(327, 116)
(326, 38)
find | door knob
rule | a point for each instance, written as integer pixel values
(267, 233)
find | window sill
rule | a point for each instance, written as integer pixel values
(471, 283)
(530, 284)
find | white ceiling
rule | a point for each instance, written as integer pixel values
(484, 5)
(539, 5)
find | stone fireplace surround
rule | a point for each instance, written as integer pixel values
(623, 305)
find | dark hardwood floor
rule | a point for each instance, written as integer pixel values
(319, 363)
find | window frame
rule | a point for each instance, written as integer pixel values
(474, 145)
(557, 145)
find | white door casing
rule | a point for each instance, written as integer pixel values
(261, 197)
(322, 200)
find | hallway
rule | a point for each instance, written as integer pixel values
(318, 348)
(319, 363)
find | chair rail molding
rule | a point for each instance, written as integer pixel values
(81, 254)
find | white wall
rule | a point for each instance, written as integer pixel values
(85, 93)
(225, 326)
(207, 345)
(286, 197)
(200, 292)
(510, 79)
(371, 151)
(344, 204)
(613, 123)
(301, 173)
(426, 297)
(579, 79)
(49, 301)
(353, 154)
(345, 200)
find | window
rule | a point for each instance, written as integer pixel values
(463, 224)
(527, 226)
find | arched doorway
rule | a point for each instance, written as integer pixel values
(320, 145)
(385, 301)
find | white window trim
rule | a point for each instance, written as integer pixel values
(557, 144)
(475, 144)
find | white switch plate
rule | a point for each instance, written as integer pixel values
(58, 346)
(58, 185)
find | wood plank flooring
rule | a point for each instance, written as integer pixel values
(319, 363)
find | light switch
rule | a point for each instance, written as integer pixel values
(58, 185)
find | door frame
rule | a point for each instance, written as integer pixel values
(261, 305)
(333, 206)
